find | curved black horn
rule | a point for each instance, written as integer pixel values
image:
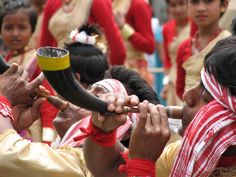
(55, 64)
(3, 65)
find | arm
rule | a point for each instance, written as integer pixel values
(25, 159)
(149, 129)
(46, 38)
(21, 157)
(142, 38)
(101, 13)
(184, 51)
(167, 61)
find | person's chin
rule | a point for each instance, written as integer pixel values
(181, 130)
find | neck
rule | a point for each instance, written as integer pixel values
(182, 22)
(208, 31)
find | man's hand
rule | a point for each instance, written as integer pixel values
(15, 86)
(65, 119)
(115, 104)
(25, 115)
(120, 19)
(150, 136)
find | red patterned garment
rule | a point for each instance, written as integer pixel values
(210, 133)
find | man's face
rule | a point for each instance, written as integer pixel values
(194, 99)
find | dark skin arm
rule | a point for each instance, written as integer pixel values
(153, 125)
(22, 96)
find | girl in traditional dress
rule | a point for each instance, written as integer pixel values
(191, 53)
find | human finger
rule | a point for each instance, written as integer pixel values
(143, 107)
(154, 116)
(36, 82)
(12, 69)
(132, 100)
(120, 102)
(163, 116)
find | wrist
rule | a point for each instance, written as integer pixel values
(137, 167)
(97, 136)
(127, 31)
(5, 108)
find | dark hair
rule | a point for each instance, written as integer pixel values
(87, 60)
(12, 6)
(133, 83)
(221, 63)
(233, 26)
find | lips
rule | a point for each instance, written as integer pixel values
(16, 42)
(201, 17)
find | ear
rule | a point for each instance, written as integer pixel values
(223, 6)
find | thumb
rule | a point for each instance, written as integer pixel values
(36, 106)
(36, 82)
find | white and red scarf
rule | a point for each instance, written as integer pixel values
(112, 85)
(210, 133)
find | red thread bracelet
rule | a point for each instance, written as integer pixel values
(137, 167)
(99, 137)
(5, 108)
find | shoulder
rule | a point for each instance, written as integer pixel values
(139, 4)
(169, 25)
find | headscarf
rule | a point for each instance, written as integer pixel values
(112, 85)
(209, 134)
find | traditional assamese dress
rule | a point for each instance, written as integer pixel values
(58, 23)
(190, 63)
(137, 34)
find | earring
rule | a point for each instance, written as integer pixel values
(222, 10)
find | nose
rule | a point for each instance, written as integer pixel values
(189, 97)
(15, 32)
(201, 6)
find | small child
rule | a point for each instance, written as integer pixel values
(191, 53)
(18, 19)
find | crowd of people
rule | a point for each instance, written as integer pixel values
(43, 134)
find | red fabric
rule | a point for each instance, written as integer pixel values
(5, 108)
(210, 133)
(169, 32)
(139, 17)
(194, 28)
(103, 139)
(101, 13)
(137, 167)
(183, 53)
(47, 111)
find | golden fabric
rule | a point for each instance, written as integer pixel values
(172, 98)
(165, 163)
(21, 158)
(121, 6)
(127, 31)
(62, 23)
(195, 63)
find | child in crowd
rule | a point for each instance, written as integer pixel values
(18, 19)
(191, 53)
(175, 32)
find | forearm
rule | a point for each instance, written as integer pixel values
(103, 161)
(25, 159)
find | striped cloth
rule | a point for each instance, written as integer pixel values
(210, 133)
(112, 85)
